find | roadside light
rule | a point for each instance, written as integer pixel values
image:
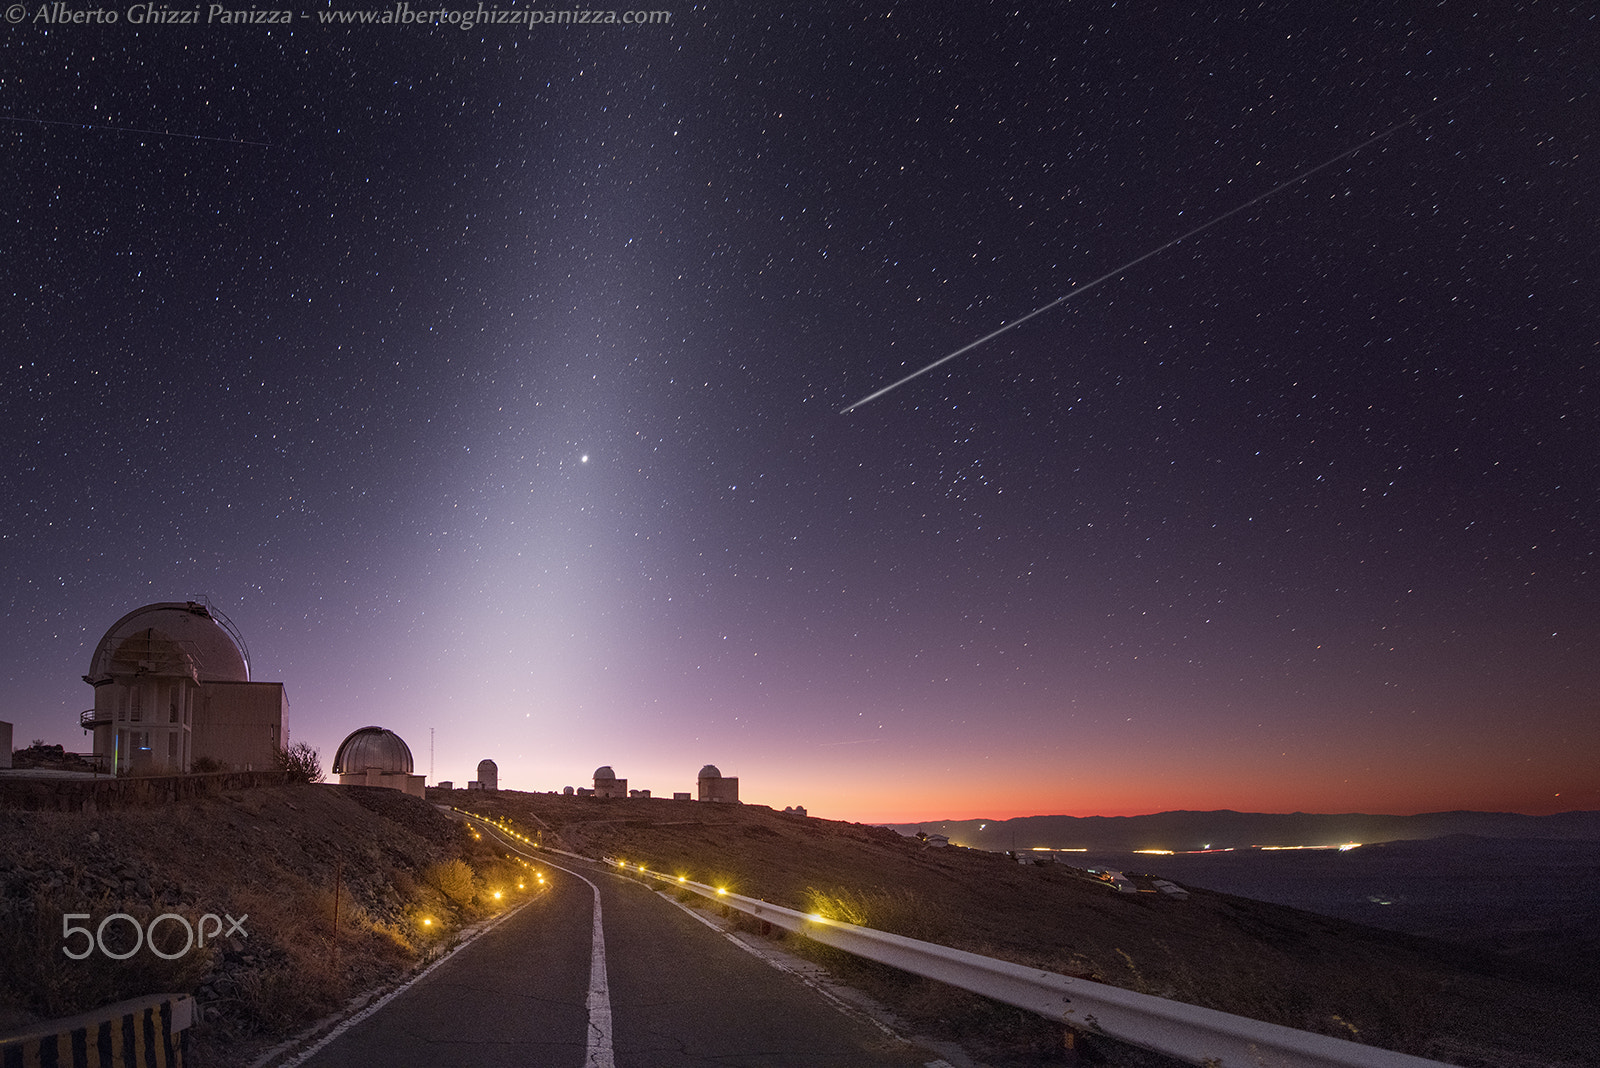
(817, 916)
(683, 879)
(497, 895)
(427, 923)
(721, 890)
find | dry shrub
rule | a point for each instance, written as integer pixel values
(900, 912)
(453, 879)
(400, 946)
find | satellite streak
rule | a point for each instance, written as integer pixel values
(1085, 287)
(135, 129)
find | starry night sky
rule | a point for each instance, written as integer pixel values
(490, 381)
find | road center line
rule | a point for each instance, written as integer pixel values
(599, 1054)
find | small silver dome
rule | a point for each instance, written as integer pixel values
(372, 748)
(710, 772)
(604, 774)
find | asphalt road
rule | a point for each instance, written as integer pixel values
(679, 995)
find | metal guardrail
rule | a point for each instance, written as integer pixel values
(136, 1033)
(1188, 1032)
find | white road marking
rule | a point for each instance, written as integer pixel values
(316, 1047)
(599, 1054)
(852, 1011)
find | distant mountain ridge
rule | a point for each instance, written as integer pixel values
(1227, 829)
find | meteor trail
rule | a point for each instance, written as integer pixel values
(1085, 287)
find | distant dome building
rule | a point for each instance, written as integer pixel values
(488, 775)
(172, 685)
(374, 756)
(715, 787)
(606, 783)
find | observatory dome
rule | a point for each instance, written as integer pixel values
(488, 775)
(172, 637)
(604, 774)
(372, 748)
(710, 772)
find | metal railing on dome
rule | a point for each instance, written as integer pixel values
(226, 624)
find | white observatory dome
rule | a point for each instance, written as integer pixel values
(170, 638)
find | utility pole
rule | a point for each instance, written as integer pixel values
(430, 756)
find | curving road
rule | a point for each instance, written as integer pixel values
(601, 972)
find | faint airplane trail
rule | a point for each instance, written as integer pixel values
(1085, 287)
(135, 129)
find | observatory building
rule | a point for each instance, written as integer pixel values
(172, 686)
(488, 775)
(373, 756)
(714, 787)
(606, 783)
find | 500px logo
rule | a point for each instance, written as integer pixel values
(142, 936)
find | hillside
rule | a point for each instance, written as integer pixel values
(280, 854)
(278, 858)
(1269, 962)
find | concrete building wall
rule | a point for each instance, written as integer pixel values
(5, 744)
(714, 786)
(241, 724)
(415, 785)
